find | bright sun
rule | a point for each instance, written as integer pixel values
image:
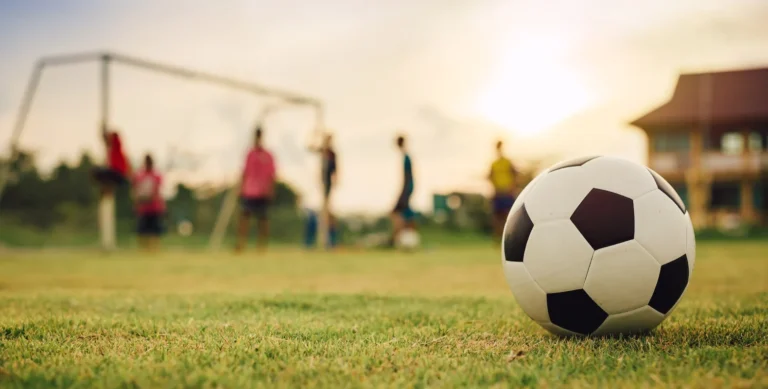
(531, 90)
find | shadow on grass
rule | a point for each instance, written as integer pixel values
(686, 336)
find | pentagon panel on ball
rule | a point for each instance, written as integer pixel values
(672, 282)
(605, 218)
(598, 245)
(575, 311)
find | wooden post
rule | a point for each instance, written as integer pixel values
(696, 184)
(651, 148)
(747, 208)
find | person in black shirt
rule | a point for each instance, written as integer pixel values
(402, 214)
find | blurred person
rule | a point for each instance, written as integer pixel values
(328, 178)
(502, 176)
(329, 171)
(118, 170)
(402, 214)
(329, 167)
(256, 192)
(150, 206)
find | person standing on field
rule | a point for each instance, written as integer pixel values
(256, 192)
(502, 177)
(115, 173)
(118, 170)
(150, 205)
(402, 214)
(329, 167)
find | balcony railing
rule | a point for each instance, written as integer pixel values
(711, 162)
(669, 162)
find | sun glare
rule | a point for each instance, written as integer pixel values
(531, 90)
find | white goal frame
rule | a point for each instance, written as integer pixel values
(107, 230)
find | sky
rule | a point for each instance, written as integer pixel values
(555, 79)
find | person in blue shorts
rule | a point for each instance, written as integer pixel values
(502, 176)
(402, 214)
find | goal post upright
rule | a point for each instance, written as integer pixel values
(21, 117)
(107, 212)
(106, 59)
(324, 224)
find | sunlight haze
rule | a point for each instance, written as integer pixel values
(555, 79)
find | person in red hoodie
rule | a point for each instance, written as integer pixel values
(118, 170)
(150, 205)
(256, 192)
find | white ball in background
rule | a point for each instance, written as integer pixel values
(185, 228)
(408, 239)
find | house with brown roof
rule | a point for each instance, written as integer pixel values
(710, 141)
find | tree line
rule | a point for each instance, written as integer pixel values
(62, 205)
(65, 200)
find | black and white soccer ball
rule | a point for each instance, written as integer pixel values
(408, 239)
(598, 245)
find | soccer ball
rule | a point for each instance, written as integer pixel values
(185, 228)
(598, 245)
(408, 239)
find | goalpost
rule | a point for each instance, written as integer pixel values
(107, 225)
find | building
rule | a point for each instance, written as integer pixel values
(710, 141)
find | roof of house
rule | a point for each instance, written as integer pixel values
(721, 97)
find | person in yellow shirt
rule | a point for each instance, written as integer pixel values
(502, 177)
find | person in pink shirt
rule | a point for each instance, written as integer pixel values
(256, 192)
(150, 206)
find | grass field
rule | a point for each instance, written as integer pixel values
(441, 318)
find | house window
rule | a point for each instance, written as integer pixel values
(670, 142)
(725, 195)
(732, 143)
(760, 193)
